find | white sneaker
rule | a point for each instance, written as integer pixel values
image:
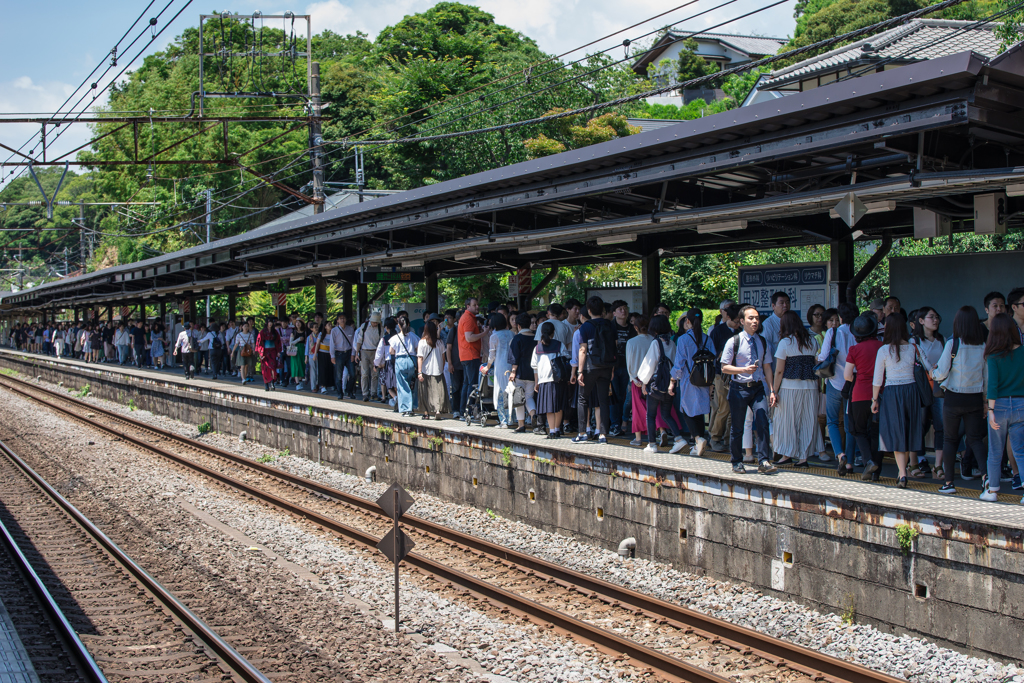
(990, 495)
(323, 390)
(678, 446)
(824, 457)
(702, 444)
(300, 387)
(651, 448)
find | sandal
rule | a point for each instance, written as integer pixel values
(918, 473)
(901, 483)
(939, 473)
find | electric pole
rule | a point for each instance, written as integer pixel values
(209, 210)
(81, 239)
(316, 139)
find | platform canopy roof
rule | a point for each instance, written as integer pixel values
(929, 135)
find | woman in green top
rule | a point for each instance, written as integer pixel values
(1005, 358)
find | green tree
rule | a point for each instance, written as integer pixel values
(691, 65)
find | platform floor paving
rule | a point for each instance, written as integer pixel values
(15, 666)
(920, 497)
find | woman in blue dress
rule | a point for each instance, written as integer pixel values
(694, 402)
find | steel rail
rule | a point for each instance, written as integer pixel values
(670, 667)
(87, 667)
(780, 652)
(238, 665)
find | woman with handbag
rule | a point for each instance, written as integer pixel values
(960, 372)
(795, 434)
(312, 347)
(497, 360)
(901, 409)
(430, 359)
(931, 344)
(268, 345)
(659, 387)
(243, 352)
(694, 401)
(295, 354)
(551, 375)
(521, 374)
(385, 362)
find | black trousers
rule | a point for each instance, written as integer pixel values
(865, 430)
(188, 360)
(973, 418)
(594, 394)
(665, 407)
(457, 378)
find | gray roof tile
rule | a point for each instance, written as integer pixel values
(916, 40)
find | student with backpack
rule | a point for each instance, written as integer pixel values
(745, 359)
(695, 372)
(659, 385)
(596, 366)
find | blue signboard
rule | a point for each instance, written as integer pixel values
(805, 283)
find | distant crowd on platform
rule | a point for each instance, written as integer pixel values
(767, 390)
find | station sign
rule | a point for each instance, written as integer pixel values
(805, 283)
(388, 275)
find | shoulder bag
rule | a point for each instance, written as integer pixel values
(923, 381)
(826, 369)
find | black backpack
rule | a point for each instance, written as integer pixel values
(702, 374)
(662, 378)
(601, 349)
(216, 344)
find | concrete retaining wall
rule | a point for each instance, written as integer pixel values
(960, 584)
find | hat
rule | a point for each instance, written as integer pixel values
(433, 316)
(188, 325)
(375, 318)
(877, 305)
(865, 325)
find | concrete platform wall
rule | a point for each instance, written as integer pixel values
(959, 585)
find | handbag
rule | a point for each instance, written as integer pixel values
(923, 381)
(292, 350)
(560, 369)
(826, 369)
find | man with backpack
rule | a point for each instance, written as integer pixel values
(744, 359)
(596, 367)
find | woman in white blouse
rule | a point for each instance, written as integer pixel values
(430, 376)
(900, 413)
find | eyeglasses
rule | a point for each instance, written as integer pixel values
(1019, 303)
(817, 315)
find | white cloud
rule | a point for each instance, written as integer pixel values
(24, 95)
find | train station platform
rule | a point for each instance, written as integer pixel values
(905, 560)
(15, 665)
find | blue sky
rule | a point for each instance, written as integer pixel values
(39, 73)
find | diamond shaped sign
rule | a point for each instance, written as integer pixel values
(851, 209)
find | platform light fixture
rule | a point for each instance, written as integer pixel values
(872, 207)
(413, 264)
(724, 226)
(1015, 190)
(616, 239)
(466, 255)
(535, 249)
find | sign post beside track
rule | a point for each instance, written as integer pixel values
(396, 501)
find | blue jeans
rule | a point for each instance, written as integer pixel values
(343, 360)
(834, 407)
(1009, 415)
(740, 398)
(470, 376)
(405, 372)
(123, 353)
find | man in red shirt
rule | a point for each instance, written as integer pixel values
(469, 334)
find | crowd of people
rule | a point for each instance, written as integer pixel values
(771, 391)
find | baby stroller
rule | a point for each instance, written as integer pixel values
(480, 403)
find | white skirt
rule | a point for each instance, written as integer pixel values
(795, 431)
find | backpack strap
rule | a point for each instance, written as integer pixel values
(954, 350)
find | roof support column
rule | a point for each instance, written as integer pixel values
(232, 305)
(650, 275)
(362, 303)
(110, 313)
(163, 312)
(346, 300)
(432, 293)
(841, 265)
(188, 312)
(321, 295)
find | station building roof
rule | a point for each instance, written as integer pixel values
(928, 135)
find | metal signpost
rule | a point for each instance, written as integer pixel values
(396, 501)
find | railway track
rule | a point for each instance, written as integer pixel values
(92, 591)
(675, 642)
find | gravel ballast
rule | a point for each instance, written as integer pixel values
(909, 657)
